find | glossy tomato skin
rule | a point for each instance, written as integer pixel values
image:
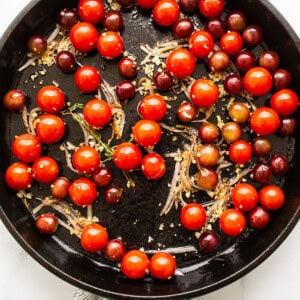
(45, 169)
(193, 216)
(18, 176)
(240, 152)
(232, 222)
(147, 4)
(258, 81)
(153, 107)
(211, 8)
(46, 223)
(271, 197)
(127, 156)
(231, 43)
(135, 264)
(201, 43)
(285, 102)
(87, 79)
(50, 99)
(91, 11)
(162, 265)
(244, 196)
(166, 12)
(153, 166)
(110, 44)
(86, 159)
(27, 147)
(97, 113)
(50, 128)
(94, 237)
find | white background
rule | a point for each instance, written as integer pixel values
(23, 278)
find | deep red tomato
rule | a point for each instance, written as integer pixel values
(97, 113)
(204, 92)
(86, 159)
(87, 79)
(285, 102)
(162, 265)
(83, 36)
(94, 237)
(18, 176)
(153, 107)
(50, 99)
(110, 44)
(244, 196)
(27, 147)
(232, 222)
(211, 8)
(45, 169)
(49, 128)
(240, 152)
(264, 121)
(193, 216)
(231, 43)
(201, 43)
(135, 264)
(127, 156)
(83, 191)
(153, 166)
(166, 12)
(46, 223)
(271, 197)
(181, 63)
(147, 4)
(146, 133)
(258, 81)
(91, 11)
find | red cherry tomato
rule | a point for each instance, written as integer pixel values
(271, 197)
(166, 12)
(127, 156)
(94, 238)
(204, 93)
(285, 102)
(50, 99)
(240, 152)
(110, 44)
(45, 169)
(211, 8)
(135, 264)
(83, 191)
(86, 159)
(83, 36)
(153, 107)
(181, 63)
(18, 176)
(87, 79)
(97, 113)
(231, 43)
(264, 121)
(91, 11)
(162, 265)
(50, 128)
(27, 147)
(147, 4)
(201, 43)
(193, 216)
(232, 222)
(244, 196)
(153, 166)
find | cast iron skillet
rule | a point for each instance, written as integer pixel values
(61, 254)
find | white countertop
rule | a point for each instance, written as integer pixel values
(21, 277)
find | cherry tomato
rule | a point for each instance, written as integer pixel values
(162, 265)
(103, 176)
(240, 152)
(232, 222)
(153, 166)
(285, 102)
(211, 8)
(258, 81)
(45, 169)
(60, 187)
(87, 79)
(231, 43)
(18, 176)
(94, 237)
(181, 63)
(193, 216)
(244, 196)
(86, 159)
(50, 99)
(201, 43)
(153, 107)
(97, 113)
(46, 223)
(49, 128)
(14, 100)
(146, 133)
(271, 197)
(91, 11)
(115, 249)
(83, 36)
(264, 121)
(83, 191)
(27, 147)
(135, 264)
(166, 12)
(127, 156)
(204, 92)
(110, 44)
(147, 4)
